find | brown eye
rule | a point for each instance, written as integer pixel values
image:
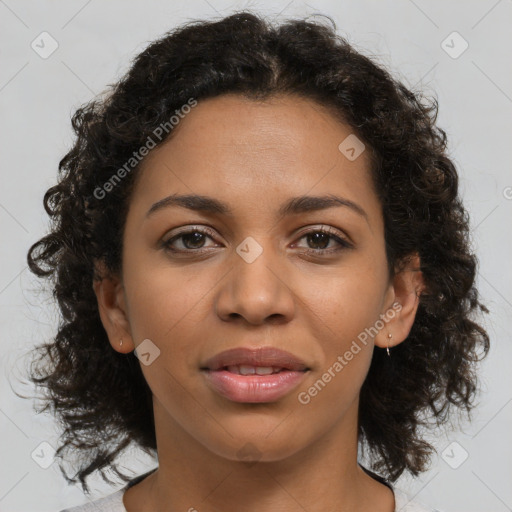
(318, 241)
(191, 240)
(319, 238)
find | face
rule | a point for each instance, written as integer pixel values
(199, 279)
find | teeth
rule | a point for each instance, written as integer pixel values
(264, 370)
(247, 370)
(253, 370)
(234, 369)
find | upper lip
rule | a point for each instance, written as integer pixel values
(263, 356)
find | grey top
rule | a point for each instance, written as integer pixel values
(114, 502)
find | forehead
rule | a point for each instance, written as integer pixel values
(251, 152)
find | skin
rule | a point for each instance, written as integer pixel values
(254, 156)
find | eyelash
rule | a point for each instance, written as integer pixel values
(205, 231)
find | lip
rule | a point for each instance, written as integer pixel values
(263, 356)
(254, 388)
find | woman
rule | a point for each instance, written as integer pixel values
(262, 263)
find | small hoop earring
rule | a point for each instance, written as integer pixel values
(121, 342)
(387, 348)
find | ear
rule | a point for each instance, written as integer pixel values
(402, 303)
(109, 292)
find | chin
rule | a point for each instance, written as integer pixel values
(272, 446)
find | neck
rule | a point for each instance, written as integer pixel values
(324, 475)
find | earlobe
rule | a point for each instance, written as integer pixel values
(407, 286)
(112, 309)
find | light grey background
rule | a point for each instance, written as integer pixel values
(96, 42)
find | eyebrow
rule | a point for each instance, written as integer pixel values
(295, 205)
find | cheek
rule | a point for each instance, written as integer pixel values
(161, 300)
(346, 354)
(170, 307)
(346, 300)
(347, 308)
(331, 392)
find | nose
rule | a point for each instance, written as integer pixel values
(256, 292)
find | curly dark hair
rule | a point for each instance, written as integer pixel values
(100, 396)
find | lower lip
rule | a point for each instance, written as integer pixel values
(253, 388)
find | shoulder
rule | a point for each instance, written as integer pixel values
(114, 503)
(405, 504)
(110, 503)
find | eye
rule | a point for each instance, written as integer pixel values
(321, 237)
(191, 240)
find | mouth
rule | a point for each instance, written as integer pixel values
(246, 369)
(254, 375)
(244, 359)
